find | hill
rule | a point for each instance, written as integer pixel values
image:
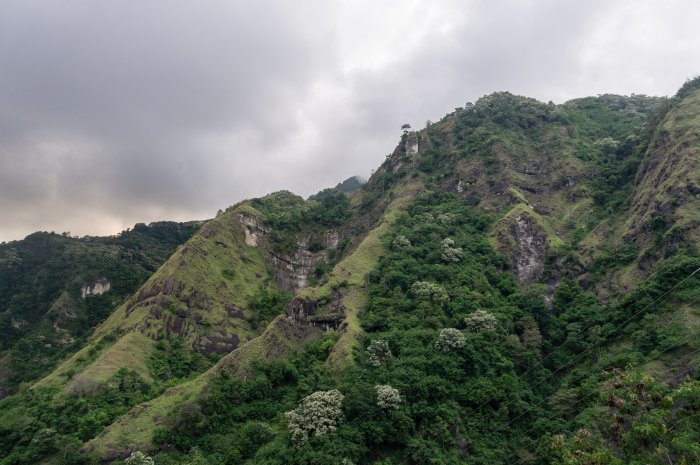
(516, 283)
(54, 289)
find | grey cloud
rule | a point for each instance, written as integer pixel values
(121, 111)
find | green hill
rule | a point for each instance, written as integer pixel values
(54, 290)
(516, 284)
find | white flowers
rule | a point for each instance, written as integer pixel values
(378, 352)
(138, 458)
(479, 321)
(451, 254)
(318, 414)
(445, 219)
(388, 398)
(431, 292)
(450, 338)
(401, 242)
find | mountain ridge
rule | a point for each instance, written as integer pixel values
(545, 215)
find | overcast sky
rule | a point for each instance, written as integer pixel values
(114, 112)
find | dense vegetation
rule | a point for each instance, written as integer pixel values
(36, 271)
(452, 359)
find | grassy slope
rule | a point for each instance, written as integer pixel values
(281, 338)
(664, 190)
(198, 265)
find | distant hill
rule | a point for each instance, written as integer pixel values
(348, 186)
(54, 289)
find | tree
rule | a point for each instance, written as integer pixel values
(531, 337)
(429, 292)
(319, 413)
(378, 352)
(451, 254)
(138, 458)
(400, 242)
(388, 398)
(480, 321)
(450, 338)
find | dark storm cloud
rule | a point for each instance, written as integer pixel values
(121, 111)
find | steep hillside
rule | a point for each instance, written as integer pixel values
(54, 289)
(518, 283)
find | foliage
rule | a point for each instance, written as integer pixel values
(400, 242)
(429, 292)
(289, 215)
(640, 421)
(172, 361)
(139, 458)
(266, 304)
(388, 398)
(59, 426)
(319, 413)
(40, 289)
(450, 254)
(450, 338)
(378, 352)
(480, 320)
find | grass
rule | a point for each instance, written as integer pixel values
(523, 209)
(281, 338)
(135, 429)
(130, 351)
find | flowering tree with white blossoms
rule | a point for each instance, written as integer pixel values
(445, 219)
(451, 254)
(138, 458)
(388, 398)
(450, 338)
(431, 292)
(479, 321)
(318, 414)
(401, 242)
(378, 352)
(424, 218)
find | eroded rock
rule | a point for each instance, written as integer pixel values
(99, 287)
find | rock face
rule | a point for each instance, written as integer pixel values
(531, 249)
(323, 314)
(293, 272)
(99, 287)
(253, 228)
(412, 144)
(526, 244)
